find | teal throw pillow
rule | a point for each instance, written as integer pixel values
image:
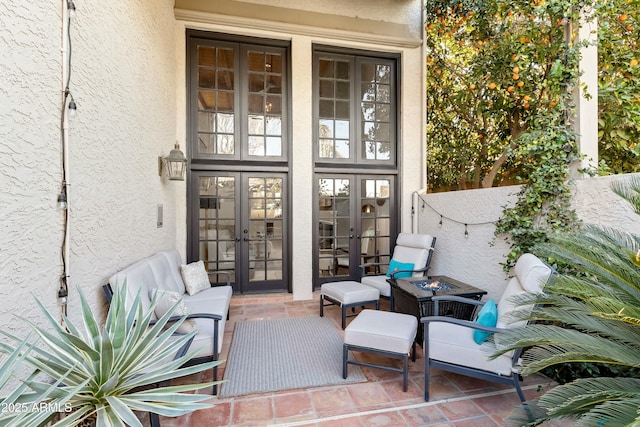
(397, 266)
(487, 316)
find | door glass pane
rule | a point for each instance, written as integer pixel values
(217, 224)
(375, 221)
(265, 230)
(334, 226)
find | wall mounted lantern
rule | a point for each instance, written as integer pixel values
(175, 164)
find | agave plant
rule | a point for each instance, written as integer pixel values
(105, 374)
(23, 407)
(589, 315)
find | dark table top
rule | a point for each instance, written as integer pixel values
(424, 288)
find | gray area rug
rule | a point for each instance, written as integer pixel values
(283, 354)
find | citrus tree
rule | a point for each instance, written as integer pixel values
(499, 102)
(619, 85)
(497, 71)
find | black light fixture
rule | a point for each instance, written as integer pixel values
(175, 164)
(61, 203)
(71, 8)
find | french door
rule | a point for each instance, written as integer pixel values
(355, 225)
(240, 228)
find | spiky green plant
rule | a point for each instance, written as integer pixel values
(22, 407)
(108, 373)
(591, 315)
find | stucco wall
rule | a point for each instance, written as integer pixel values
(399, 11)
(30, 231)
(124, 72)
(123, 80)
(476, 259)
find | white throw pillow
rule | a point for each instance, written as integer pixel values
(195, 277)
(166, 300)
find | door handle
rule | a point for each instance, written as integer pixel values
(237, 239)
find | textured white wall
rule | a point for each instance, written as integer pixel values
(476, 259)
(30, 94)
(124, 82)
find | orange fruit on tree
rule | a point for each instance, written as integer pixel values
(472, 86)
(520, 84)
(492, 85)
(516, 70)
(629, 28)
(553, 104)
(623, 17)
(633, 62)
(510, 89)
(526, 105)
(515, 77)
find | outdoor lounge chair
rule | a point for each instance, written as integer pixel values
(413, 251)
(449, 343)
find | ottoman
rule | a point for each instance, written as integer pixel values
(381, 332)
(348, 294)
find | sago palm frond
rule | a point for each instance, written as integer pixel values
(629, 190)
(590, 315)
(601, 401)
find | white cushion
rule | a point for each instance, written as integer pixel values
(166, 300)
(382, 330)
(349, 292)
(415, 240)
(413, 249)
(138, 277)
(195, 277)
(531, 275)
(454, 344)
(165, 276)
(175, 261)
(203, 341)
(378, 282)
(211, 293)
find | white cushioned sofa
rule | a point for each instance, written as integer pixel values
(207, 307)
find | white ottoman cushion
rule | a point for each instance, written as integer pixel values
(378, 282)
(382, 330)
(349, 292)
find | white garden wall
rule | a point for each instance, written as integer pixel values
(476, 259)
